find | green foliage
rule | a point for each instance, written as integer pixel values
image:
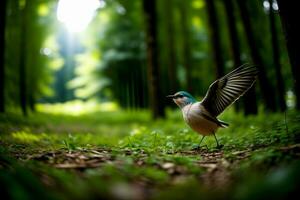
(38, 20)
(121, 154)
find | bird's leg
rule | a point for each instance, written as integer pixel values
(218, 146)
(199, 145)
(201, 140)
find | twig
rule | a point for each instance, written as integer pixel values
(286, 126)
(155, 136)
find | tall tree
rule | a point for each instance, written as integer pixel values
(276, 58)
(186, 47)
(2, 57)
(215, 37)
(289, 13)
(233, 33)
(250, 103)
(266, 88)
(171, 45)
(22, 65)
(155, 94)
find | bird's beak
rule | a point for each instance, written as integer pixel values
(171, 96)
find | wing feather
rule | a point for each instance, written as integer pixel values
(229, 88)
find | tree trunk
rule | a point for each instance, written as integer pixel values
(2, 57)
(276, 59)
(289, 13)
(215, 37)
(233, 33)
(22, 66)
(172, 69)
(266, 89)
(155, 94)
(186, 47)
(249, 101)
(32, 103)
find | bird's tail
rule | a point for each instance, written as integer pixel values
(223, 124)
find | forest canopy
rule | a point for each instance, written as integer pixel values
(59, 51)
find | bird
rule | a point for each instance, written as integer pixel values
(201, 116)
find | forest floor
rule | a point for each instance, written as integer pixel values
(125, 155)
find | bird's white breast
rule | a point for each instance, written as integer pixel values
(193, 116)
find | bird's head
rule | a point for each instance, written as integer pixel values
(182, 98)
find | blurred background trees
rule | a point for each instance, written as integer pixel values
(2, 53)
(136, 52)
(289, 15)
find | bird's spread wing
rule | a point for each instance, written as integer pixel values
(229, 88)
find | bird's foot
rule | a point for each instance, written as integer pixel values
(198, 147)
(220, 146)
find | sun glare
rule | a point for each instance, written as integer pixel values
(76, 14)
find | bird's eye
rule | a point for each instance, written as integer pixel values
(180, 96)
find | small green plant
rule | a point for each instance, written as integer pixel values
(70, 142)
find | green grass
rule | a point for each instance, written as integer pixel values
(125, 155)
